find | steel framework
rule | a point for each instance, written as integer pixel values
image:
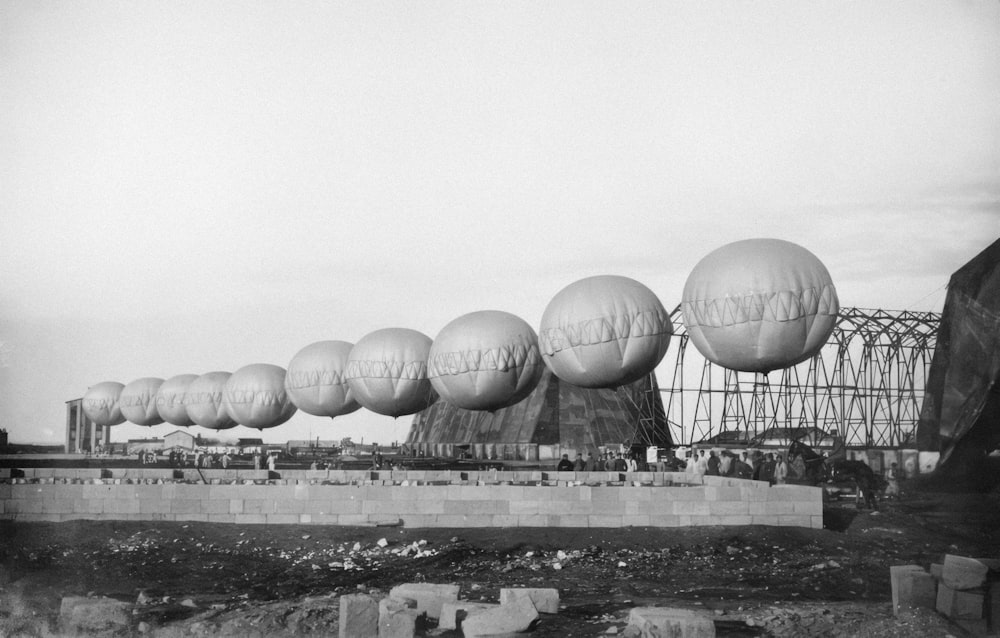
(867, 383)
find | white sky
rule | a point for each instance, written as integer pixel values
(191, 186)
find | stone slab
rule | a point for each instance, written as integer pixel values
(517, 616)
(429, 596)
(661, 622)
(396, 619)
(957, 604)
(359, 616)
(912, 587)
(545, 600)
(452, 614)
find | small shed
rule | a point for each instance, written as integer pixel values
(179, 439)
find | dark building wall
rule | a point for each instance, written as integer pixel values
(555, 413)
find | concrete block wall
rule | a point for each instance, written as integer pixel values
(410, 498)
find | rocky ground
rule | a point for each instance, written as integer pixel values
(191, 579)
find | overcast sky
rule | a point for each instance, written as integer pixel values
(192, 186)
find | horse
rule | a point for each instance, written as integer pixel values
(816, 470)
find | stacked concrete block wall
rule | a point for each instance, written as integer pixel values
(965, 590)
(410, 498)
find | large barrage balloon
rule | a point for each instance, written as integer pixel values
(759, 305)
(604, 332)
(255, 396)
(485, 360)
(171, 397)
(387, 371)
(100, 403)
(204, 401)
(315, 379)
(138, 401)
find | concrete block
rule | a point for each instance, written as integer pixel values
(79, 615)
(912, 587)
(764, 520)
(258, 506)
(282, 519)
(429, 596)
(517, 616)
(359, 616)
(605, 494)
(396, 619)
(664, 520)
(602, 520)
(534, 520)
(770, 508)
(57, 506)
(185, 506)
(504, 520)
(291, 506)
(545, 600)
(570, 520)
(731, 508)
(459, 520)
(692, 508)
(656, 622)
(794, 520)
(247, 519)
(961, 573)
(215, 506)
(452, 614)
(957, 604)
(121, 506)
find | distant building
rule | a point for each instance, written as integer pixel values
(82, 434)
(249, 446)
(179, 439)
(149, 445)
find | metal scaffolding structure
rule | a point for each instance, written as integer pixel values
(867, 383)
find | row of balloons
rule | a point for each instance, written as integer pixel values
(753, 305)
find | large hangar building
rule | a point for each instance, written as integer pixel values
(556, 418)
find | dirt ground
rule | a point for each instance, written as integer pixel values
(221, 579)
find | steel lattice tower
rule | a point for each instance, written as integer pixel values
(867, 383)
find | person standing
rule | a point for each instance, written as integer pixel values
(565, 465)
(780, 471)
(712, 464)
(892, 480)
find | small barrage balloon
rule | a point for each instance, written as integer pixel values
(316, 382)
(204, 401)
(100, 403)
(255, 396)
(138, 401)
(387, 372)
(170, 400)
(604, 332)
(759, 305)
(485, 360)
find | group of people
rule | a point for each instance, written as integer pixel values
(607, 462)
(768, 467)
(198, 458)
